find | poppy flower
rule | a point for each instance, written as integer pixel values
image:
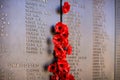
(63, 66)
(52, 68)
(60, 40)
(65, 43)
(65, 34)
(60, 27)
(69, 49)
(55, 77)
(60, 52)
(66, 7)
(57, 39)
(62, 76)
(70, 77)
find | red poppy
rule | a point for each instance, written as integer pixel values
(60, 52)
(60, 28)
(66, 7)
(63, 66)
(52, 68)
(55, 77)
(65, 34)
(65, 43)
(69, 49)
(57, 39)
(62, 76)
(70, 77)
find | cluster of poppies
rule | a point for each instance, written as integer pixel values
(61, 68)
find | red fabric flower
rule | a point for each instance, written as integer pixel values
(65, 43)
(52, 68)
(60, 40)
(69, 49)
(60, 28)
(63, 66)
(55, 77)
(60, 52)
(65, 34)
(70, 77)
(66, 7)
(57, 39)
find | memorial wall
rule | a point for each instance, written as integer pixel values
(26, 31)
(117, 40)
(92, 31)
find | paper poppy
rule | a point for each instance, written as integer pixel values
(63, 66)
(65, 43)
(60, 27)
(69, 49)
(65, 34)
(52, 68)
(60, 53)
(60, 40)
(70, 77)
(66, 7)
(60, 67)
(57, 39)
(55, 77)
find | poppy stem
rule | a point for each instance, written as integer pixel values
(60, 10)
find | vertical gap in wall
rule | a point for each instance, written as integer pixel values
(60, 10)
(115, 62)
